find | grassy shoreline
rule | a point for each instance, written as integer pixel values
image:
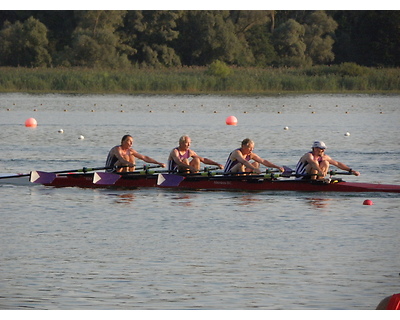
(348, 78)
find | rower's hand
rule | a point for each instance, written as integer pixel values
(281, 169)
(220, 166)
(256, 170)
(356, 173)
(193, 169)
(162, 165)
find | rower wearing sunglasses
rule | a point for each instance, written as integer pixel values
(315, 164)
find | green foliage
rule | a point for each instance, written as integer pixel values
(352, 69)
(261, 46)
(196, 80)
(207, 36)
(368, 37)
(289, 43)
(24, 44)
(319, 29)
(152, 34)
(219, 69)
(96, 43)
(161, 38)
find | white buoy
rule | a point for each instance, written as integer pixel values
(347, 134)
(60, 130)
(286, 128)
(81, 137)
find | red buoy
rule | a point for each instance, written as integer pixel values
(231, 121)
(368, 202)
(31, 122)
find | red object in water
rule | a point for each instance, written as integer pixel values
(368, 202)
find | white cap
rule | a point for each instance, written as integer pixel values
(319, 144)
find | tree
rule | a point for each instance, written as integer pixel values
(152, 34)
(96, 42)
(288, 41)
(24, 44)
(319, 28)
(369, 38)
(259, 41)
(247, 19)
(206, 36)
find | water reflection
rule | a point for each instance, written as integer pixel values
(183, 199)
(248, 200)
(124, 198)
(318, 203)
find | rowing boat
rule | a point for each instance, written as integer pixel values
(205, 181)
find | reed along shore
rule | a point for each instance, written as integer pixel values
(344, 78)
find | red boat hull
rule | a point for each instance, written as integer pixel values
(247, 183)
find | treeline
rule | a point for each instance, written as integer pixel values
(126, 39)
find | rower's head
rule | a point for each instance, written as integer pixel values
(319, 146)
(127, 140)
(247, 145)
(184, 142)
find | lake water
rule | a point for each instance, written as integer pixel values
(73, 248)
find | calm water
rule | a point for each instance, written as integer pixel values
(160, 249)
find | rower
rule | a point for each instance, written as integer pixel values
(178, 160)
(315, 164)
(239, 160)
(125, 156)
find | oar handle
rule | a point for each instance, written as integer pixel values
(332, 172)
(86, 169)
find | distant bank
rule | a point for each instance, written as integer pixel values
(345, 78)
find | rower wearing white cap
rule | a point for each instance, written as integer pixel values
(315, 164)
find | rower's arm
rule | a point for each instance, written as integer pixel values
(342, 166)
(209, 161)
(266, 163)
(148, 159)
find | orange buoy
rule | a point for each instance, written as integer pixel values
(31, 122)
(368, 202)
(231, 121)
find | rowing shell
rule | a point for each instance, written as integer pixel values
(204, 182)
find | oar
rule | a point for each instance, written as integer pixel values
(18, 175)
(289, 173)
(268, 173)
(332, 173)
(43, 177)
(109, 178)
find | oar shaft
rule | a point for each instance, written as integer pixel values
(332, 173)
(11, 176)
